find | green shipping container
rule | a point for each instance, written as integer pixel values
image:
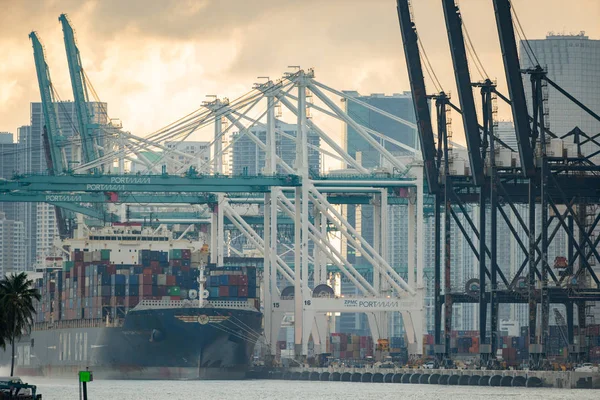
(68, 265)
(175, 254)
(174, 291)
(105, 255)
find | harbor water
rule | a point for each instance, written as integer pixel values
(290, 390)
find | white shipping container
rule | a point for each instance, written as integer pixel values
(555, 148)
(571, 149)
(503, 157)
(457, 167)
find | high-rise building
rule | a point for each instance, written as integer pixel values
(573, 62)
(201, 150)
(30, 161)
(505, 131)
(9, 155)
(34, 161)
(361, 217)
(399, 105)
(12, 246)
(247, 158)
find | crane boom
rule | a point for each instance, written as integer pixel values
(419, 95)
(88, 141)
(465, 90)
(57, 159)
(516, 92)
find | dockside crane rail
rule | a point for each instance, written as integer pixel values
(419, 94)
(54, 138)
(89, 141)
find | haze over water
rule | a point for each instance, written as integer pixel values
(290, 390)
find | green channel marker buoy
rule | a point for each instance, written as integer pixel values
(84, 377)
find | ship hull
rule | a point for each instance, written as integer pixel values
(163, 343)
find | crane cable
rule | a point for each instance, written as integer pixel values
(522, 37)
(474, 56)
(428, 67)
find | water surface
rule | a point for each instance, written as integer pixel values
(292, 390)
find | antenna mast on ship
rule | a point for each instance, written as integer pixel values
(199, 260)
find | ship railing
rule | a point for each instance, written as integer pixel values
(243, 305)
(156, 304)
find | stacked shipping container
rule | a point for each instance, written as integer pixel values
(91, 287)
(346, 346)
(231, 283)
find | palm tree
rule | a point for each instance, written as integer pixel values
(16, 304)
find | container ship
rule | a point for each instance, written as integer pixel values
(133, 303)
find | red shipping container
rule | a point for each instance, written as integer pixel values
(104, 301)
(147, 271)
(175, 297)
(223, 291)
(131, 301)
(145, 290)
(185, 268)
(156, 269)
(171, 280)
(243, 279)
(162, 291)
(154, 264)
(117, 301)
(243, 291)
(175, 263)
(145, 279)
(233, 280)
(186, 254)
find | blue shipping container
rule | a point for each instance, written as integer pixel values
(224, 280)
(117, 279)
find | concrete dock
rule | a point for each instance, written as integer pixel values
(470, 377)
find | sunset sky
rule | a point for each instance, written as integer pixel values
(154, 61)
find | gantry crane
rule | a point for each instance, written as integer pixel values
(465, 90)
(89, 140)
(53, 139)
(57, 159)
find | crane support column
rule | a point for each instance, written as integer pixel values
(270, 262)
(218, 169)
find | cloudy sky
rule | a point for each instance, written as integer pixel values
(154, 61)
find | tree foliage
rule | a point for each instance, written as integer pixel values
(17, 309)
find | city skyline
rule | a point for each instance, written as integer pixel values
(135, 64)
